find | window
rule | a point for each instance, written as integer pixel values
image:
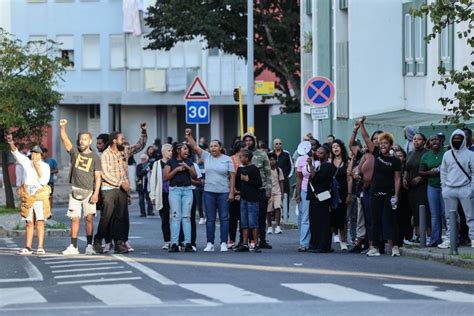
(446, 48)
(414, 44)
(116, 47)
(309, 7)
(94, 111)
(37, 1)
(134, 52)
(66, 47)
(343, 4)
(91, 52)
(149, 55)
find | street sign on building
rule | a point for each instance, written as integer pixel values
(319, 113)
(319, 91)
(197, 103)
(264, 87)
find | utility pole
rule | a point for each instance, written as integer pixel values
(250, 69)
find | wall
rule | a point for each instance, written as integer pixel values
(5, 18)
(375, 54)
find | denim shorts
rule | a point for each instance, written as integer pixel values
(248, 214)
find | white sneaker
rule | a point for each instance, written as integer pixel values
(373, 252)
(223, 246)
(209, 247)
(90, 250)
(472, 244)
(166, 246)
(202, 221)
(343, 246)
(445, 245)
(395, 251)
(71, 251)
(107, 247)
(278, 230)
(129, 246)
(336, 239)
(270, 230)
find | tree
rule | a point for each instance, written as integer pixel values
(223, 25)
(28, 76)
(460, 13)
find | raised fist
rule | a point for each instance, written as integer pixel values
(362, 120)
(9, 138)
(143, 126)
(188, 132)
(62, 122)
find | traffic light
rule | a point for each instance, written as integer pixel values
(236, 94)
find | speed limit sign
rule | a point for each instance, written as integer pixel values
(197, 112)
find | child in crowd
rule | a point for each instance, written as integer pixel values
(248, 183)
(275, 201)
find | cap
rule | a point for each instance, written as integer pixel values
(441, 134)
(36, 149)
(143, 156)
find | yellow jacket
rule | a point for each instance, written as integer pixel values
(28, 200)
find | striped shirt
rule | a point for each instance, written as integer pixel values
(114, 164)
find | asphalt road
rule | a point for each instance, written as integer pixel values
(275, 282)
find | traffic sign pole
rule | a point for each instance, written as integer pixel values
(241, 113)
(250, 68)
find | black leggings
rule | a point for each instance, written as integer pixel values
(165, 218)
(234, 217)
(384, 219)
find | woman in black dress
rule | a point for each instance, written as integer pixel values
(320, 181)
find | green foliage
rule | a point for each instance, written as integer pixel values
(223, 24)
(460, 13)
(28, 75)
(7, 210)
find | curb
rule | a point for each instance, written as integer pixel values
(47, 233)
(439, 257)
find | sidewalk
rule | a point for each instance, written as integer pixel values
(464, 258)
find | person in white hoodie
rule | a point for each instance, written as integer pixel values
(457, 171)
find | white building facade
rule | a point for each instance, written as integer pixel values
(375, 54)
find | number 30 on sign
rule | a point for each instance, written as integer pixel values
(197, 112)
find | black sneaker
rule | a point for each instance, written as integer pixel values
(242, 248)
(120, 247)
(98, 246)
(189, 248)
(173, 248)
(264, 245)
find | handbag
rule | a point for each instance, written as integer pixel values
(79, 193)
(322, 196)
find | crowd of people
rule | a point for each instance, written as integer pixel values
(365, 197)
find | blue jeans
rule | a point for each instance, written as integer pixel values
(248, 214)
(436, 202)
(181, 201)
(303, 220)
(212, 203)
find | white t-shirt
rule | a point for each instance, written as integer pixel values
(30, 176)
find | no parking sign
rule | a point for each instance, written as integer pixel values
(319, 91)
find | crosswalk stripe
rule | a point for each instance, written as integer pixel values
(64, 258)
(227, 293)
(87, 269)
(121, 294)
(90, 274)
(101, 280)
(152, 274)
(19, 295)
(334, 292)
(83, 265)
(75, 261)
(432, 291)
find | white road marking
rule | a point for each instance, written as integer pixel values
(227, 293)
(76, 261)
(203, 302)
(99, 280)
(83, 265)
(90, 274)
(20, 295)
(62, 257)
(87, 269)
(334, 292)
(432, 291)
(121, 294)
(147, 271)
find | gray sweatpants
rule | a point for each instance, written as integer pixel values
(452, 196)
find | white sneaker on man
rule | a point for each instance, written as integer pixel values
(223, 246)
(270, 230)
(343, 246)
(209, 247)
(373, 252)
(90, 250)
(395, 251)
(202, 221)
(71, 251)
(278, 230)
(445, 245)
